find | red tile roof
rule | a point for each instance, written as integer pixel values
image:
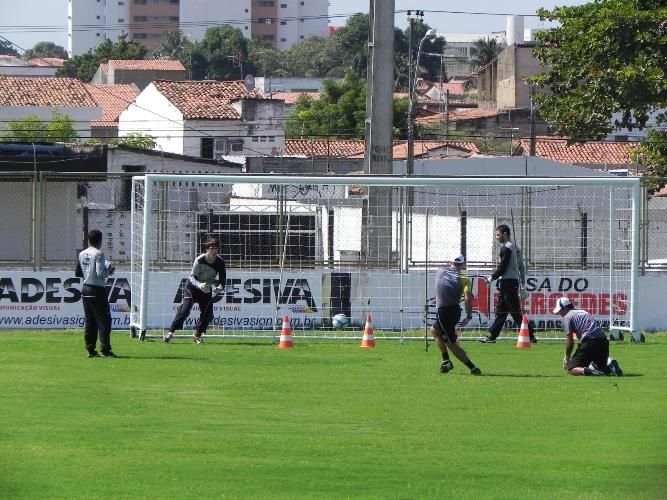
(355, 148)
(113, 99)
(61, 92)
(461, 114)
(49, 62)
(324, 147)
(453, 87)
(588, 153)
(433, 148)
(291, 97)
(204, 100)
(146, 65)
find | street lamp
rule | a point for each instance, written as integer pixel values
(412, 90)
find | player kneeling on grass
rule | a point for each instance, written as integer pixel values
(207, 279)
(450, 285)
(592, 355)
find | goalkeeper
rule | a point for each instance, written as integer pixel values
(510, 271)
(201, 287)
(94, 268)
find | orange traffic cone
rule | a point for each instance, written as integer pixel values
(523, 342)
(368, 339)
(286, 335)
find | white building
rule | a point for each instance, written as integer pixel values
(283, 22)
(209, 119)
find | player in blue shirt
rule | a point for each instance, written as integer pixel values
(450, 286)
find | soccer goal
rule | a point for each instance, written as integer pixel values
(309, 248)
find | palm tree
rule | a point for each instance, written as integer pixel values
(485, 51)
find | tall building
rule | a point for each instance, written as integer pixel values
(282, 22)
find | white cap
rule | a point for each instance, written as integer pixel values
(459, 259)
(560, 303)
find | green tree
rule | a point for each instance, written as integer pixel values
(84, 66)
(314, 57)
(485, 50)
(220, 55)
(175, 46)
(605, 57)
(31, 128)
(652, 155)
(7, 48)
(353, 42)
(135, 140)
(265, 58)
(340, 112)
(45, 49)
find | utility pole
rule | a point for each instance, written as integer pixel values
(414, 16)
(377, 208)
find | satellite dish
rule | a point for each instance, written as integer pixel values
(249, 83)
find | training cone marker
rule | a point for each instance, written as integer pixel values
(523, 342)
(286, 335)
(368, 340)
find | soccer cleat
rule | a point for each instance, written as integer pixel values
(614, 369)
(108, 355)
(446, 366)
(93, 354)
(198, 339)
(475, 371)
(487, 340)
(533, 340)
(167, 337)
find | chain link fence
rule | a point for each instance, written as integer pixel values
(44, 219)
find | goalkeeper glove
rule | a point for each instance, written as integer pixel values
(110, 268)
(488, 279)
(217, 290)
(523, 294)
(204, 287)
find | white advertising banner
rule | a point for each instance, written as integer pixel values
(254, 300)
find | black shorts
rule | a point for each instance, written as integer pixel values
(594, 350)
(448, 318)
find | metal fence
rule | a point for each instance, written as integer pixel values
(44, 219)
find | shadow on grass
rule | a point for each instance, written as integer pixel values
(158, 357)
(538, 375)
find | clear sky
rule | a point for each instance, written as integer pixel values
(48, 18)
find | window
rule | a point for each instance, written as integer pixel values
(255, 139)
(283, 23)
(283, 5)
(283, 39)
(206, 147)
(301, 19)
(268, 37)
(266, 3)
(121, 3)
(121, 20)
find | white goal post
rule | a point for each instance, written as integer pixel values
(311, 247)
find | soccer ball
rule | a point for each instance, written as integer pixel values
(340, 321)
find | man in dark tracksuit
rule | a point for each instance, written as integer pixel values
(510, 271)
(93, 267)
(201, 287)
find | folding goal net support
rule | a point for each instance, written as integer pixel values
(312, 247)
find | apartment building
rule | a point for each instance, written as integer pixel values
(282, 22)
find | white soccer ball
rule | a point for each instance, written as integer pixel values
(340, 321)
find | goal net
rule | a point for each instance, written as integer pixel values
(309, 248)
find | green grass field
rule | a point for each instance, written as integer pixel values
(325, 420)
